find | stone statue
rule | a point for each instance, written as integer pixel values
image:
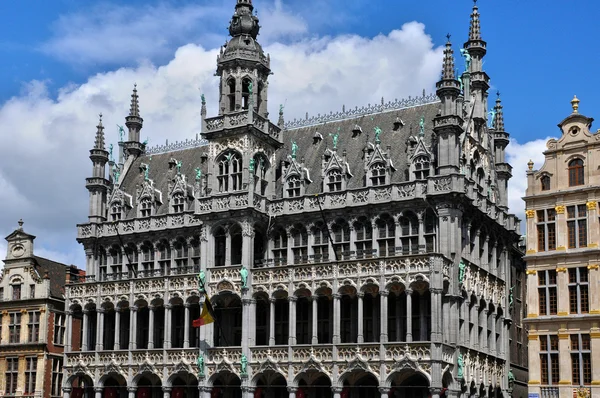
(200, 363)
(251, 165)
(281, 109)
(116, 174)
(178, 167)
(461, 364)
(250, 88)
(460, 80)
(294, 149)
(465, 54)
(203, 98)
(422, 126)
(377, 135)
(146, 141)
(244, 276)
(244, 365)
(511, 297)
(492, 113)
(201, 279)
(121, 133)
(461, 271)
(198, 173)
(511, 378)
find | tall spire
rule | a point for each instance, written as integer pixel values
(134, 123)
(448, 68)
(134, 109)
(499, 120)
(474, 27)
(99, 143)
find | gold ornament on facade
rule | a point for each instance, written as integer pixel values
(592, 205)
(531, 251)
(575, 104)
(561, 269)
(530, 213)
(560, 209)
(530, 272)
(593, 266)
(530, 164)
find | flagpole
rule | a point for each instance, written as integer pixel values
(211, 310)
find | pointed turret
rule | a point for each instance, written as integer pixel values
(475, 27)
(97, 185)
(203, 113)
(501, 140)
(447, 124)
(281, 121)
(134, 124)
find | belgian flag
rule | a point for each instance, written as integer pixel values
(206, 316)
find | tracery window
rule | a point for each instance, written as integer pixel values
(545, 181)
(181, 254)
(294, 184)
(386, 239)
(178, 202)
(422, 165)
(102, 263)
(341, 239)
(378, 173)
(299, 244)
(116, 261)
(364, 238)
(320, 246)
(576, 172)
(195, 254)
(230, 172)
(147, 257)
(246, 93)
(164, 257)
(116, 211)
(429, 224)
(280, 243)
(145, 207)
(231, 94)
(409, 226)
(334, 180)
(220, 247)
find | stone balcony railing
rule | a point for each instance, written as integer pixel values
(242, 118)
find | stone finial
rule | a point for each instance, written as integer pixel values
(99, 142)
(475, 27)
(530, 165)
(575, 104)
(20, 222)
(134, 109)
(448, 69)
(499, 119)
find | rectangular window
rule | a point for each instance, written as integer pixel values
(546, 230)
(1, 294)
(30, 370)
(581, 361)
(14, 327)
(31, 291)
(547, 291)
(34, 327)
(16, 292)
(57, 372)
(578, 290)
(577, 226)
(12, 371)
(549, 359)
(59, 329)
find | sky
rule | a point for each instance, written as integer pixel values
(66, 61)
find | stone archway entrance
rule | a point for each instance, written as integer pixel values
(412, 386)
(314, 385)
(360, 385)
(271, 385)
(226, 385)
(114, 386)
(82, 387)
(185, 385)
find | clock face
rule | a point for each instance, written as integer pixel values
(18, 251)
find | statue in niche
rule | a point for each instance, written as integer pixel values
(244, 365)
(465, 54)
(116, 174)
(511, 297)
(147, 172)
(461, 271)
(244, 277)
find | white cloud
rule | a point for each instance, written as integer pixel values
(276, 22)
(518, 155)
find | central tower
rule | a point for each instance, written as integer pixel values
(242, 65)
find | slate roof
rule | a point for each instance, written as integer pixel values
(161, 174)
(56, 273)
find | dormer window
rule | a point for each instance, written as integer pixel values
(576, 173)
(334, 180)
(422, 166)
(545, 181)
(378, 174)
(145, 207)
(178, 202)
(116, 211)
(293, 186)
(230, 172)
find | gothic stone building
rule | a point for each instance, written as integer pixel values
(32, 320)
(367, 253)
(562, 263)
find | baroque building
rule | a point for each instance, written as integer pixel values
(32, 322)
(562, 263)
(366, 253)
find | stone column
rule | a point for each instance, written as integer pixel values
(133, 327)
(564, 367)
(67, 392)
(315, 309)
(483, 318)
(384, 391)
(252, 322)
(167, 338)
(186, 326)
(360, 320)
(166, 392)
(292, 392)
(117, 328)
(272, 321)
(595, 346)
(409, 336)
(292, 321)
(245, 319)
(336, 318)
(383, 308)
(336, 391)
(151, 310)
(86, 328)
(99, 329)
(98, 391)
(69, 330)
(493, 334)
(436, 314)
(475, 334)
(131, 391)
(421, 232)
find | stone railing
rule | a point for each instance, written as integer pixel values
(242, 118)
(177, 146)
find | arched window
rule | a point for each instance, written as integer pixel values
(364, 237)
(246, 93)
(147, 258)
(102, 264)
(164, 257)
(116, 211)
(378, 174)
(235, 234)
(181, 255)
(334, 180)
(341, 239)
(116, 261)
(409, 225)
(481, 179)
(320, 247)
(145, 207)
(280, 243)
(178, 202)
(293, 186)
(231, 94)
(545, 181)
(300, 244)
(430, 231)
(220, 247)
(576, 176)
(230, 172)
(386, 232)
(261, 165)
(422, 165)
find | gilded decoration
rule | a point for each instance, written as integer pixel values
(592, 205)
(530, 213)
(560, 209)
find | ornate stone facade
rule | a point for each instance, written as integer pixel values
(341, 266)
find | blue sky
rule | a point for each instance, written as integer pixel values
(64, 61)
